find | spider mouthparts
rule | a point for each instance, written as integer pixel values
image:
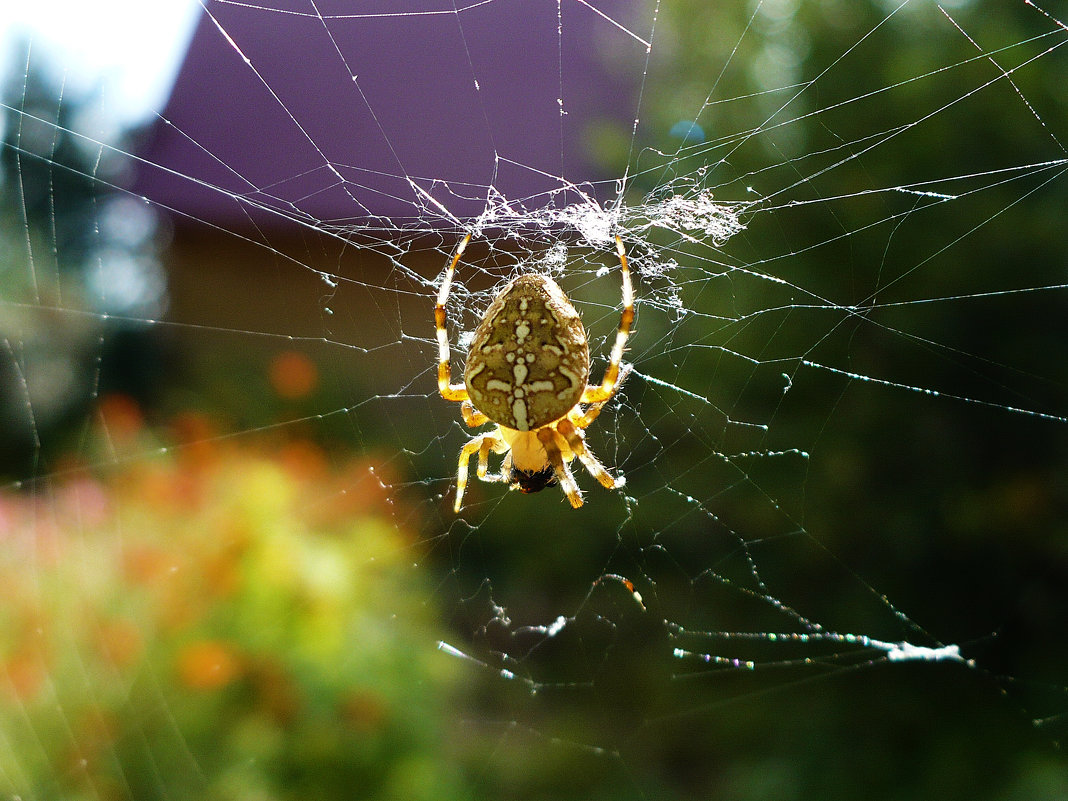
(533, 480)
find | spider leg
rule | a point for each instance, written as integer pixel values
(547, 436)
(473, 418)
(482, 444)
(612, 375)
(449, 391)
(495, 444)
(583, 419)
(577, 444)
(506, 470)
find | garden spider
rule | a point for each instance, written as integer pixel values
(527, 371)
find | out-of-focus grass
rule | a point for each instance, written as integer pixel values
(223, 620)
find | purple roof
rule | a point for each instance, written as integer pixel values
(335, 111)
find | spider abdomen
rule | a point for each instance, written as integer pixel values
(529, 360)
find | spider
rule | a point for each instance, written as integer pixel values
(527, 372)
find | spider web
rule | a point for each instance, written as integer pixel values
(842, 431)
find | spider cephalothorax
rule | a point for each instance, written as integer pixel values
(527, 372)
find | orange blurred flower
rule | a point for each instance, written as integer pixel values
(304, 460)
(26, 672)
(121, 418)
(121, 642)
(146, 563)
(207, 665)
(196, 439)
(293, 375)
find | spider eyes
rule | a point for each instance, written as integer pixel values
(534, 480)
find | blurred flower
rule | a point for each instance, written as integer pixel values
(207, 665)
(121, 419)
(261, 607)
(25, 672)
(121, 642)
(293, 375)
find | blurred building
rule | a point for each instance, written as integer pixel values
(290, 137)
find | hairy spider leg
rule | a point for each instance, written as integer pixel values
(482, 445)
(611, 381)
(583, 419)
(473, 418)
(548, 437)
(577, 443)
(448, 390)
